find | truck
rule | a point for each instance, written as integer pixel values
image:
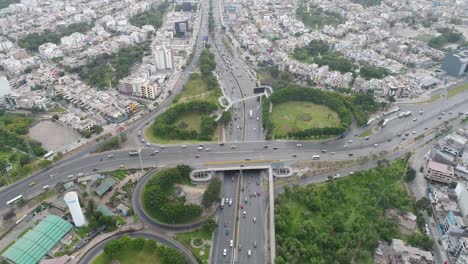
(316, 157)
(133, 153)
(250, 113)
(222, 202)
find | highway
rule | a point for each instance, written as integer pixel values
(219, 155)
(226, 220)
(252, 227)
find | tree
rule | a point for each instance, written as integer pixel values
(410, 174)
(55, 117)
(210, 225)
(138, 243)
(98, 129)
(113, 248)
(24, 159)
(3, 166)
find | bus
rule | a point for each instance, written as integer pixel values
(222, 202)
(316, 157)
(48, 154)
(14, 200)
(133, 153)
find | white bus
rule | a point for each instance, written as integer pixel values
(222, 202)
(48, 154)
(316, 157)
(15, 200)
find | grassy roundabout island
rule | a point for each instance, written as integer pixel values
(169, 197)
(138, 250)
(306, 113)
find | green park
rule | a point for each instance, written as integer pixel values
(128, 250)
(191, 119)
(296, 115)
(342, 220)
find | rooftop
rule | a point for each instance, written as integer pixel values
(439, 167)
(35, 244)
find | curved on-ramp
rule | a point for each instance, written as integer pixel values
(97, 249)
(145, 218)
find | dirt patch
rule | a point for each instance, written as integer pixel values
(193, 194)
(53, 135)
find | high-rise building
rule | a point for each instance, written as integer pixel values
(163, 58)
(71, 199)
(456, 64)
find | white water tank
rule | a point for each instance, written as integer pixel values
(71, 199)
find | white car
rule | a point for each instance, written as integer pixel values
(249, 252)
(230, 201)
(224, 252)
(183, 146)
(207, 149)
(351, 141)
(375, 145)
(254, 219)
(231, 243)
(298, 145)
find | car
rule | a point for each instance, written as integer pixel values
(69, 176)
(266, 146)
(197, 156)
(255, 244)
(332, 153)
(80, 174)
(351, 172)
(324, 151)
(415, 119)
(366, 138)
(156, 152)
(224, 252)
(227, 231)
(258, 183)
(254, 219)
(414, 132)
(230, 201)
(207, 149)
(225, 224)
(345, 146)
(242, 206)
(298, 145)
(440, 117)
(399, 134)
(143, 140)
(110, 156)
(95, 169)
(231, 243)
(200, 148)
(294, 155)
(350, 141)
(350, 154)
(233, 147)
(183, 146)
(148, 144)
(389, 139)
(275, 148)
(254, 128)
(31, 184)
(247, 158)
(249, 252)
(245, 199)
(239, 247)
(244, 213)
(376, 145)
(421, 111)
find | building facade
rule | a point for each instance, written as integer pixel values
(439, 172)
(456, 64)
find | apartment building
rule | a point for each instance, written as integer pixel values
(439, 172)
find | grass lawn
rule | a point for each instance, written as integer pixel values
(366, 133)
(457, 90)
(130, 256)
(185, 239)
(119, 174)
(197, 89)
(342, 219)
(192, 120)
(297, 115)
(57, 109)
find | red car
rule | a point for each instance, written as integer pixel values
(242, 206)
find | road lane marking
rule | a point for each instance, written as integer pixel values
(238, 162)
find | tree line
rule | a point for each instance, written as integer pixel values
(212, 193)
(167, 255)
(207, 65)
(165, 126)
(159, 197)
(32, 41)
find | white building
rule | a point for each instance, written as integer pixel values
(163, 58)
(71, 199)
(4, 86)
(75, 40)
(49, 51)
